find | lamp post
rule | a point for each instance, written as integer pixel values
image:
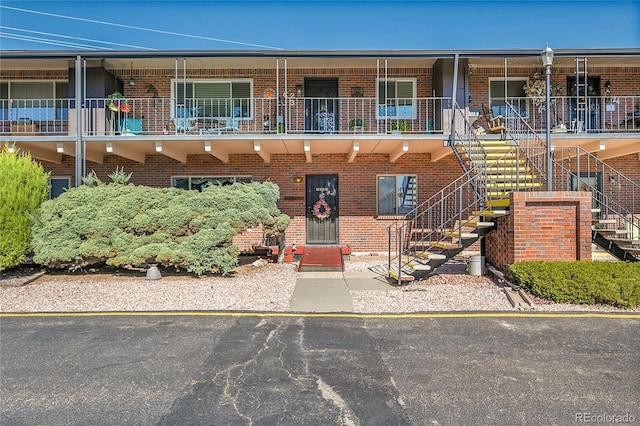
(547, 61)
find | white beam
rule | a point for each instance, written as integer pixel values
(216, 151)
(440, 153)
(41, 154)
(355, 147)
(125, 152)
(399, 151)
(257, 147)
(619, 151)
(171, 152)
(307, 151)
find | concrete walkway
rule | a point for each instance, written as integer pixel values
(330, 291)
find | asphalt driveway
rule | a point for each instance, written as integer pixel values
(227, 369)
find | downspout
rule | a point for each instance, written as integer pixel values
(78, 92)
(84, 140)
(175, 96)
(454, 101)
(184, 89)
(277, 94)
(285, 101)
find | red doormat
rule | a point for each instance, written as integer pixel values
(321, 259)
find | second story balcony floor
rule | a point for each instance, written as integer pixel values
(304, 96)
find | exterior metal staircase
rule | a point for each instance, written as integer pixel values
(464, 211)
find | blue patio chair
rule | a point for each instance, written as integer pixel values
(183, 121)
(131, 126)
(232, 125)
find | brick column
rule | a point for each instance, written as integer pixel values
(542, 226)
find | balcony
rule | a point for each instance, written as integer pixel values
(322, 117)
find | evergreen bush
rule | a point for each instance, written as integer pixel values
(23, 187)
(126, 225)
(582, 282)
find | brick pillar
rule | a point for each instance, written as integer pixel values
(542, 226)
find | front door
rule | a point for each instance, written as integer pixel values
(321, 105)
(584, 103)
(322, 209)
(589, 182)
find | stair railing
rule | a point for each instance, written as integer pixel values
(614, 194)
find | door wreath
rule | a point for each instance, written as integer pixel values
(321, 210)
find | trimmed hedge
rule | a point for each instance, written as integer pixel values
(581, 282)
(133, 226)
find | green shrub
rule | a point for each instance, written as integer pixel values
(23, 187)
(582, 282)
(128, 225)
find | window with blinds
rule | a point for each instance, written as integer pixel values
(36, 100)
(515, 94)
(396, 98)
(215, 99)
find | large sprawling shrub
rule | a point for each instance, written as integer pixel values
(23, 187)
(582, 282)
(128, 225)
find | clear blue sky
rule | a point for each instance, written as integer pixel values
(330, 24)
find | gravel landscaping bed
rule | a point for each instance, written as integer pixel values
(266, 288)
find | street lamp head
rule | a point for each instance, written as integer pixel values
(547, 56)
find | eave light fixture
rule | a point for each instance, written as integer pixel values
(132, 82)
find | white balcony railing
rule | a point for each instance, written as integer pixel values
(300, 115)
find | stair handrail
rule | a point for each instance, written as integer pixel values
(613, 191)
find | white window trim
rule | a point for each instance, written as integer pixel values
(190, 177)
(524, 80)
(414, 83)
(395, 175)
(53, 82)
(174, 95)
(67, 178)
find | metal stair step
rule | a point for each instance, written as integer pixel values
(445, 245)
(491, 213)
(464, 235)
(498, 203)
(429, 255)
(404, 278)
(514, 185)
(604, 221)
(478, 224)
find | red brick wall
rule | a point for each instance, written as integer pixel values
(542, 226)
(359, 227)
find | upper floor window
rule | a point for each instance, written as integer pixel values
(34, 100)
(396, 98)
(515, 95)
(215, 98)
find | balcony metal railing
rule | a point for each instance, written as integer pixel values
(592, 114)
(303, 115)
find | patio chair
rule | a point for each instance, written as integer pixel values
(131, 126)
(183, 121)
(230, 126)
(495, 123)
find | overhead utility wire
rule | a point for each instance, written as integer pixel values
(46, 41)
(93, 21)
(76, 38)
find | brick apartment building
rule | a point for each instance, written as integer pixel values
(354, 139)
